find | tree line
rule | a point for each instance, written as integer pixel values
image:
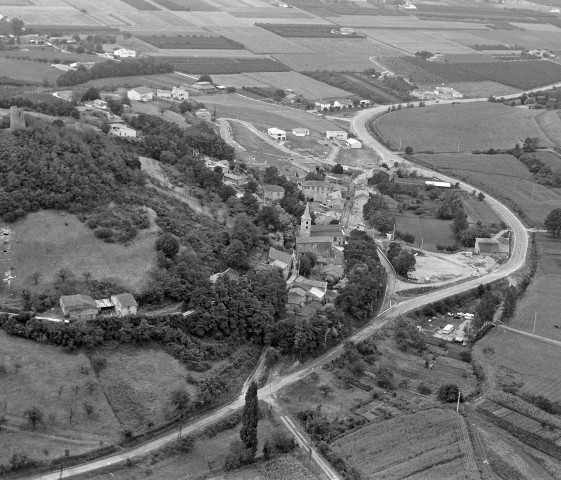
(111, 68)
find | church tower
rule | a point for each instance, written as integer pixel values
(306, 222)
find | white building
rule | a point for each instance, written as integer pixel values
(300, 132)
(163, 93)
(336, 134)
(179, 93)
(140, 94)
(204, 114)
(276, 133)
(353, 143)
(124, 53)
(122, 130)
(322, 105)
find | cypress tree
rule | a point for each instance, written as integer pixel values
(250, 417)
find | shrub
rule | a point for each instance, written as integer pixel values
(424, 389)
(103, 233)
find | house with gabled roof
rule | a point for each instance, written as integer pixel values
(80, 307)
(281, 260)
(125, 304)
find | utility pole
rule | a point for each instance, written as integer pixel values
(458, 404)
(535, 319)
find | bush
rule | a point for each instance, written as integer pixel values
(424, 389)
(449, 393)
(103, 233)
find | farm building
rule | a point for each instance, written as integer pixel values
(125, 304)
(272, 193)
(231, 179)
(436, 183)
(140, 94)
(316, 190)
(276, 133)
(409, 6)
(323, 105)
(300, 132)
(336, 134)
(344, 103)
(281, 260)
(205, 87)
(179, 93)
(491, 247)
(204, 114)
(124, 53)
(163, 93)
(315, 289)
(447, 329)
(122, 130)
(81, 307)
(347, 31)
(352, 143)
(364, 103)
(101, 104)
(86, 65)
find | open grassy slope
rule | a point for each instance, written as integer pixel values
(47, 241)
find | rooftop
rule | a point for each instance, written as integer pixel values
(283, 257)
(307, 240)
(78, 301)
(126, 300)
(142, 90)
(273, 188)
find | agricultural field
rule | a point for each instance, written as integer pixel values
(429, 231)
(411, 41)
(140, 4)
(301, 30)
(482, 89)
(301, 84)
(502, 176)
(258, 40)
(549, 122)
(192, 42)
(255, 145)
(478, 211)
(47, 241)
(464, 128)
(312, 61)
(346, 47)
(166, 80)
(27, 71)
(217, 66)
(542, 296)
(58, 383)
(509, 353)
(431, 444)
(264, 115)
(173, 6)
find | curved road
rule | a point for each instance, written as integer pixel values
(516, 261)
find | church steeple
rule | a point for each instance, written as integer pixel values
(306, 222)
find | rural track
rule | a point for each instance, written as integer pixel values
(515, 262)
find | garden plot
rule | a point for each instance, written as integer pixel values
(432, 444)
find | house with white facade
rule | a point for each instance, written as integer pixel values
(179, 93)
(336, 135)
(276, 133)
(124, 53)
(140, 94)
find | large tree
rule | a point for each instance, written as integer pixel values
(250, 417)
(553, 222)
(404, 263)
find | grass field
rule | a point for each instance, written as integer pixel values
(429, 231)
(502, 176)
(301, 84)
(264, 115)
(43, 376)
(24, 70)
(482, 89)
(312, 61)
(542, 296)
(255, 145)
(432, 444)
(479, 211)
(47, 241)
(471, 126)
(166, 80)
(509, 356)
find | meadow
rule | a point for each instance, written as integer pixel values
(509, 356)
(47, 241)
(26, 71)
(253, 144)
(138, 382)
(431, 444)
(463, 127)
(428, 231)
(502, 176)
(60, 384)
(541, 300)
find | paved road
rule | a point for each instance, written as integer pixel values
(520, 239)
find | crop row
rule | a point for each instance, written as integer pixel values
(192, 42)
(229, 65)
